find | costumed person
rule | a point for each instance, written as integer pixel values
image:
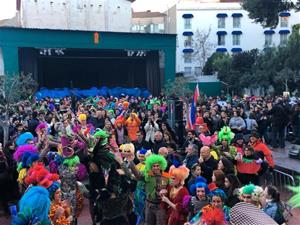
(70, 171)
(215, 213)
(132, 124)
(25, 156)
(225, 136)
(121, 133)
(127, 149)
(252, 194)
(156, 184)
(140, 194)
(83, 129)
(199, 196)
(34, 207)
(176, 213)
(244, 214)
(60, 211)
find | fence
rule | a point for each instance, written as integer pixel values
(282, 180)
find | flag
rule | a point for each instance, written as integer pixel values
(192, 111)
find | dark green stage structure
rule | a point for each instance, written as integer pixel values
(83, 59)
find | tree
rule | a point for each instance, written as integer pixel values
(202, 47)
(13, 90)
(266, 11)
(177, 88)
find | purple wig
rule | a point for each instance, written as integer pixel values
(22, 149)
(81, 172)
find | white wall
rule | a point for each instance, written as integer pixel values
(1, 63)
(205, 17)
(97, 15)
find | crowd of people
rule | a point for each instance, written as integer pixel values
(123, 156)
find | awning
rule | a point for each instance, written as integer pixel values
(221, 15)
(236, 32)
(221, 33)
(284, 31)
(221, 50)
(187, 33)
(237, 15)
(284, 14)
(269, 32)
(236, 50)
(187, 16)
(187, 50)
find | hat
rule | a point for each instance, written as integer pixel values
(247, 214)
(239, 136)
(67, 152)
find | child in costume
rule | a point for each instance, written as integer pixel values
(176, 213)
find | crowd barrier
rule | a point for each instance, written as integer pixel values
(92, 92)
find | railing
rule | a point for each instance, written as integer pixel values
(282, 180)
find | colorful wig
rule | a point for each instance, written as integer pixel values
(143, 154)
(153, 159)
(39, 175)
(55, 160)
(125, 105)
(220, 193)
(295, 200)
(102, 136)
(23, 138)
(256, 192)
(28, 159)
(82, 117)
(41, 126)
(226, 134)
(22, 149)
(213, 216)
(33, 207)
(208, 140)
(199, 183)
(53, 188)
(180, 173)
(81, 172)
(71, 162)
(127, 147)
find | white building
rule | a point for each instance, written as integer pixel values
(231, 30)
(90, 15)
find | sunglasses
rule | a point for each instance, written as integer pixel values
(247, 196)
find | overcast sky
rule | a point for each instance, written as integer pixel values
(8, 7)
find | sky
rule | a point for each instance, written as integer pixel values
(8, 7)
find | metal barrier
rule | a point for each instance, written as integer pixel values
(282, 180)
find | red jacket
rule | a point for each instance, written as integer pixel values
(260, 146)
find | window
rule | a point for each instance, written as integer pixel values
(198, 70)
(268, 40)
(221, 39)
(236, 22)
(221, 22)
(187, 23)
(284, 21)
(188, 41)
(187, 57)
(236, 39)
(283, 39)
(187, 71)
(161, 27)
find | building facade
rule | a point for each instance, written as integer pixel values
(228, 27)
(89, 15)
(149, 22)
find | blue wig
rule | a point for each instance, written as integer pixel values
(23, 138)
(199, 183)
(28, 158)
(34, 207)
(219, 192)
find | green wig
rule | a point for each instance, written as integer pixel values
(153, 159)
(226, 134)
(72, 162)
(295, 199)
(102, 135)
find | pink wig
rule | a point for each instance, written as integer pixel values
(81, 172)
(22, 149)
(41, 126)
(208, 140)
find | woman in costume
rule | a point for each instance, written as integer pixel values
(176, 213)
(252, 194)
(200, 196)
